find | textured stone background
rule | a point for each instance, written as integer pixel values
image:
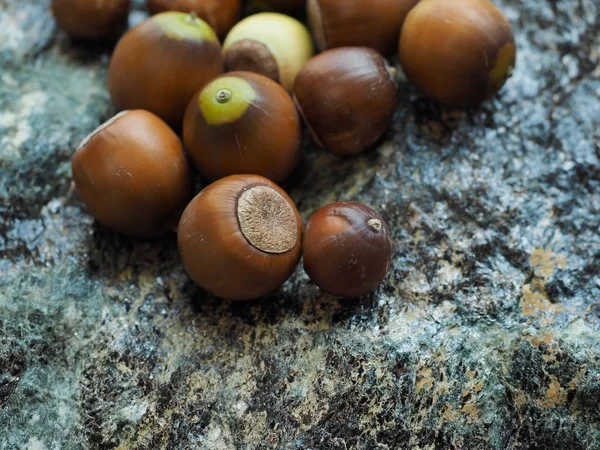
(484, 336)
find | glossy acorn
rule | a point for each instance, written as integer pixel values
(347, 249)
(221, 15)
(161, 63)
(371, 23)
(457, 52)
(274, 45)
(243, 122)
(240, 238)
(87, 19)
(347, 97)
(133, 175)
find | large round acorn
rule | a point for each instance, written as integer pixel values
(458, 52)
(220, 14)
(372, 23)
(91, 19)
(243, 122)
(240, 238)
(133, 175)
(347, 97)
(274, 45)
(161, 63)
(347, 249)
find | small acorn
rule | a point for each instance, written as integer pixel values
(133, 175)
(87, 19)
(161, 63)
(347, 97)
(243, 122)
(347, 249)
(221, 15)
(371, 23)
(240, 238)
(274, 45)
(459, 53)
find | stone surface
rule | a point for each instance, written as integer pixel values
(484, 336)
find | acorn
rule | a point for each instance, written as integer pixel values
(91, 19)
(240, 238)
(133, 175)
(161, 63)
(243, 122)
(274, 45)
(371, 23)
(347, 249)
(347, 97)
(459, 53)
(220, 14)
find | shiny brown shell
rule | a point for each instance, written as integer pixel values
(256, 130)
(347, 98)
(347, 249)
(133, 175)
(91, 19)
(159, 69)
(240, 238)
(221, 15)
(460, 52)
(347, 23)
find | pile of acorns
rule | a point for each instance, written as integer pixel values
(242, 237)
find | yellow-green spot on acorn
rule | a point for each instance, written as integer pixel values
(179, 25)
(225, 100)
(503, 68)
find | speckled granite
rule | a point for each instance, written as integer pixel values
(486, 334)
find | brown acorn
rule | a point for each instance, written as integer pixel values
(240, 238)
(460, 52)
(347, 97)
(91, 19)
(221, 15)
(347, 249)
(161, 63)
(133, 175)
(348, 23)
(242, 122)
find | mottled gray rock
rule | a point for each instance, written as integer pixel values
(484, 336)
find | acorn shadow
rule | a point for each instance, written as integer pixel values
(109, 254)
(307, 308)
